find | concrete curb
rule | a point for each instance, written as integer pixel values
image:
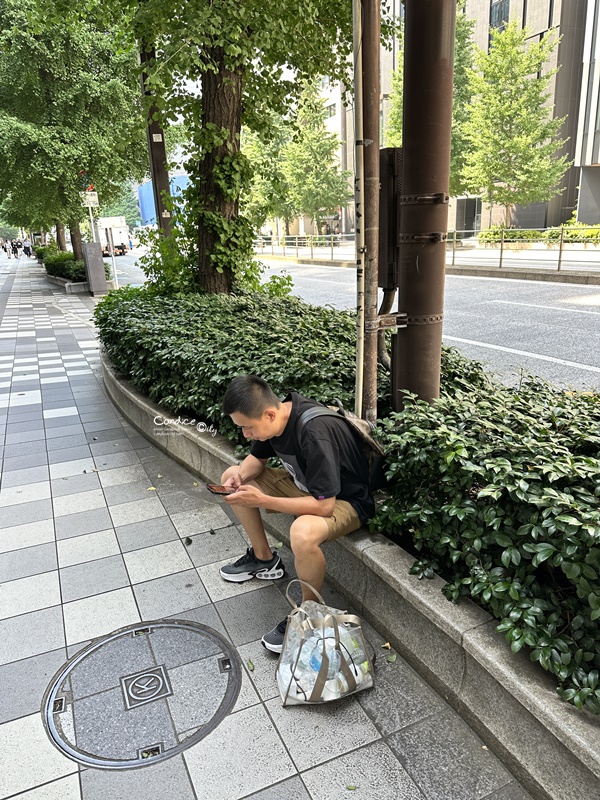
(511, 273)
(553, 749)
(75, 287)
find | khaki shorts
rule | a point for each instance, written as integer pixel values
(278, 483)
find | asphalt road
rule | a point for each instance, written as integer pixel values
(547, 329)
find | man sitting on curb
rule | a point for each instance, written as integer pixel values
(325, 485)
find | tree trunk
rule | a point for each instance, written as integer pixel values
(60, 237)
(507, 215)
(221, 109)
(75, 229)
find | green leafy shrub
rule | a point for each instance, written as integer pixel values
(183, 350)
(493, 235)
(47, 249)
(498, 490)
(63, 265)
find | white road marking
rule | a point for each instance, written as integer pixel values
(555, 308)
(575, 364)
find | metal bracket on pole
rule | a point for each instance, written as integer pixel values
(384, 321)
(431, 238)
(418, 199)
(430, 319)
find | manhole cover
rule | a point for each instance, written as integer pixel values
(142, 694)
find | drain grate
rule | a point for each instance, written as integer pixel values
(170, 682)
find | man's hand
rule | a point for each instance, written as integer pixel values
(249, 496)
(235, 480)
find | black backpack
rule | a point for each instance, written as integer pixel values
(362, 429)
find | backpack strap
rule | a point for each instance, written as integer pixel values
(315, 411)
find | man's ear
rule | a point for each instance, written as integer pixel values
(270, 414)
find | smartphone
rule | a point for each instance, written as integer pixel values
(217, 489)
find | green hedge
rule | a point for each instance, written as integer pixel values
(498, 490)
(182, 351)
(494, 487)
(64, 265)
(573, 232)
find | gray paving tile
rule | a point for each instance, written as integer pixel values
(76, 503)
(265, 664)
(62, 422)
(26, 427)
(290, 789)
(24, 449)
(265, 760)
(157, 561)
(111, 447)
(125, 493)
(24, 683)
(103, 425)
(112, 460)
(145, 534)
(23, 415)
(31, 634)
(176, 501)
(205, 615)
(93, 577)
(72, 484)
(188, 647)
(109, 435)
(99, 615)
(167, 596)
(27, 561)
(20, 477)
(189, 523)
(399, 698)
(69, 454)
(511, 792)
(248, 616)
(123, 475)
(446, 760)
(24, 437)
(223, 543)
(64, 442)
(98, 519)
(23, 513)
(373, 769)
(167, 779)
(64, 430)
(136, 511)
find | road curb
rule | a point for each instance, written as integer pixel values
(509, 273)
(553, 749)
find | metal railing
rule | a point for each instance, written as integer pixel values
(560, 249)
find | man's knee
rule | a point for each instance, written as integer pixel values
(307, 532)
(229, 472)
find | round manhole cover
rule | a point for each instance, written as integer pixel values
(142, 694)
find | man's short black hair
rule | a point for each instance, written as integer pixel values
(249, 395)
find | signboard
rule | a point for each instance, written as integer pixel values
(89, 199)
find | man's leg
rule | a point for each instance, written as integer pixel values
(251, 522)
(307, 534)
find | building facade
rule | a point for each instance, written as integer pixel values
(587, 151)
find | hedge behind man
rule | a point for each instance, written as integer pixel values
(324, 483)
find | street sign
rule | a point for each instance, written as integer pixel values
(89, 199)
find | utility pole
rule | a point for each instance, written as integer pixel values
(157, 152)
(359, 203)
(427, 119)
(371, 106)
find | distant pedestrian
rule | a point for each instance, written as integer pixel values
(15, 248)
(27, 247)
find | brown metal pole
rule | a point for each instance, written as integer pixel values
(157, 152)
(371, 101)
(427, 118)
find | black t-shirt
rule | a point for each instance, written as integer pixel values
(328, 461)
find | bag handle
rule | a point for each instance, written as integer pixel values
(304, 583)
(331, 621)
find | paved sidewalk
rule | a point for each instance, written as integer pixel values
(87, 546)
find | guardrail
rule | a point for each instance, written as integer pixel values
(557, 249)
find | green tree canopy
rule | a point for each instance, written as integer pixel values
(462, 92)
(513, 137)
(316, 184)
(125, 205)
(221, 64)
(70, 115)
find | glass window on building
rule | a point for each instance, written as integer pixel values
(330, 111)
(499, 12)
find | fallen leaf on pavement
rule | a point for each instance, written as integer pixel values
(391, 658)
(250, 665)
(386, 646)
(151, 489)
